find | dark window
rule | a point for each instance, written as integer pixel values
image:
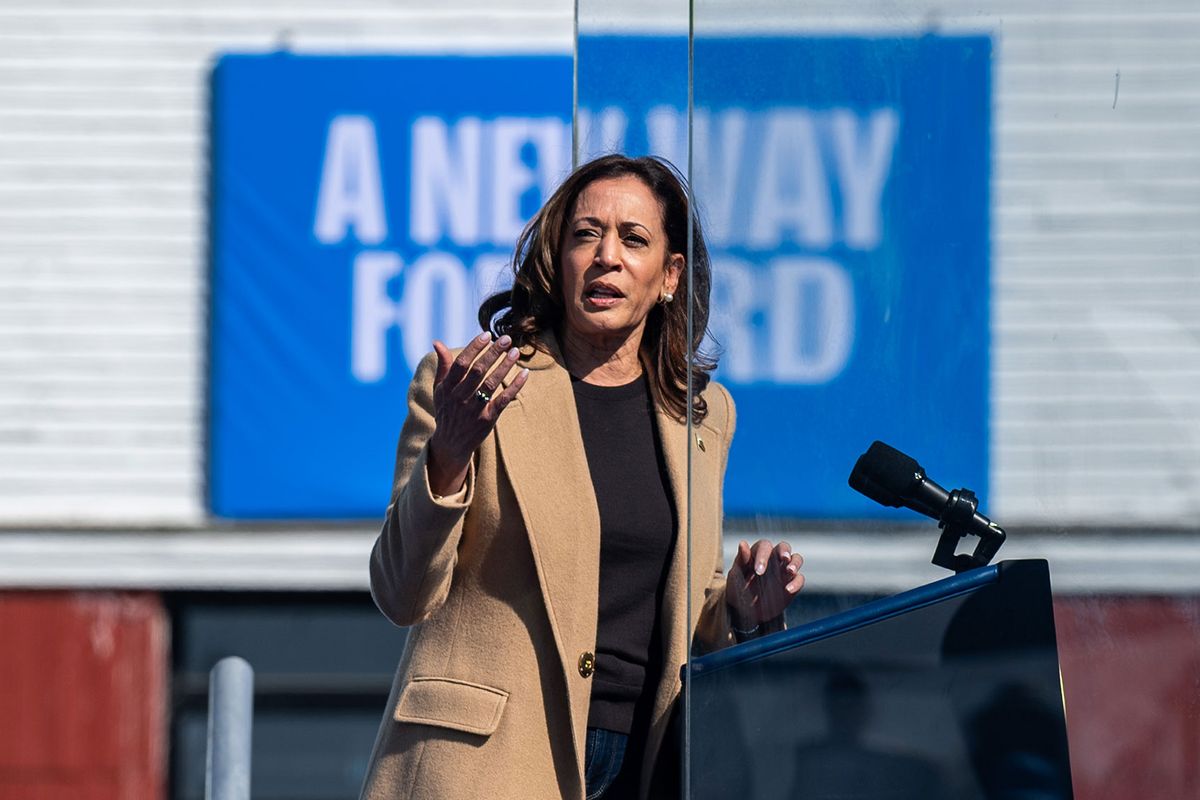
(323, 666)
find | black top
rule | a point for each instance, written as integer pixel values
(637, 533)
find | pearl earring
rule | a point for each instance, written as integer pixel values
(666, 297)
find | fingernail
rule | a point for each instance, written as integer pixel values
(514, 353)
(785, 555)
(484, 337)
(760, 568)
(504, 341)
(524, 372)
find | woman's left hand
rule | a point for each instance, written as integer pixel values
(762, 582)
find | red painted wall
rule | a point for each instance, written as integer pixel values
(83, 689)
(1131, 676)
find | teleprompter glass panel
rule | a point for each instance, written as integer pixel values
(632, 98)
(966, 231)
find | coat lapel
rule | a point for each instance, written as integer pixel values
(704, 541)
(673, 438)
(705, 532)
(541, 448)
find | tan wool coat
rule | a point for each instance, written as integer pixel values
(499, 585)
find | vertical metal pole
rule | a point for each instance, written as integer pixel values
(230, 718)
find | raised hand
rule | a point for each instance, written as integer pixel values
(762, 582)
(466, 405)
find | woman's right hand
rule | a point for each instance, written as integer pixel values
(466, 405)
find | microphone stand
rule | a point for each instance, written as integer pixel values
(955, 522)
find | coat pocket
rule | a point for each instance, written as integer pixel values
(451, 703)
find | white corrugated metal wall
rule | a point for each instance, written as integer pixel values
(1097, 263)
(1096, 268)
(103, 114)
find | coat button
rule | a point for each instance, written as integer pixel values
(587, 663)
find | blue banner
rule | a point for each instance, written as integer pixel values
(362, 206)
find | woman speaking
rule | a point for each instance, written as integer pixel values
(535, 539)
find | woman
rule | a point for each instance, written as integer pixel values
(535, 539)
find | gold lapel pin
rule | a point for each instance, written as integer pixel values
(699, 443)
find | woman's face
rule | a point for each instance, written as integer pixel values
(614, 260)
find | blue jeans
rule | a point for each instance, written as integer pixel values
(603, 756)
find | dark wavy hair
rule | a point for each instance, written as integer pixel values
(535, 305)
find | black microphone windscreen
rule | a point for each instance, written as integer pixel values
(885, 475)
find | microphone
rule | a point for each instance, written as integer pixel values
(894, 479)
